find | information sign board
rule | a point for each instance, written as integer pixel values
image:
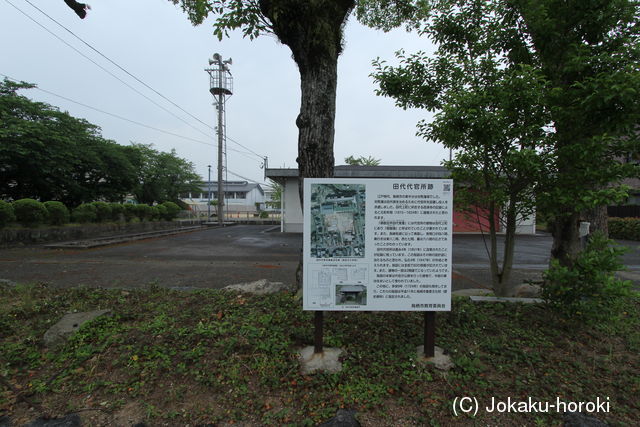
(377, 244)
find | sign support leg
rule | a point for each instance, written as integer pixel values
(317, 339)
(429, 333)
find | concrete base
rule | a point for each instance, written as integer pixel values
(327, 361)
(440, 360)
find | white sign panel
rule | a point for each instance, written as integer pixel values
(377, 244)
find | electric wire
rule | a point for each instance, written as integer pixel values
(116, 115)
(133, 76)
(103, 68)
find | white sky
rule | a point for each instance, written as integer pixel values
(153, 40)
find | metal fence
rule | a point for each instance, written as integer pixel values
(629, 211)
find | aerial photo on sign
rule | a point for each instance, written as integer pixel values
(337, 220)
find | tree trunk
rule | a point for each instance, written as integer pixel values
(313, 31)
(598, 219)
(504, 287)
(566, 239)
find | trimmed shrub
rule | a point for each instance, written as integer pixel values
(589, 290)
(264, 214)
(155, 213)
(143, 211)
(117, 211)
(86, 212)
(29, 212)
(6, 213)
(103, 211)
(58, 212)
(130, 211)
(162, 211)
(624, 228)
(172, 210)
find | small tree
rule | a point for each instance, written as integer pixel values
(489, 112)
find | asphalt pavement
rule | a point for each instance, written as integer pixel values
(217, 257)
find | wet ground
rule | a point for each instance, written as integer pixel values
(217, 257)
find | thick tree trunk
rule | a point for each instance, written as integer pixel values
(313, 31)
(598, 219)
(566, 239)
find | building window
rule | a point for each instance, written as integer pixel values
(241, 195)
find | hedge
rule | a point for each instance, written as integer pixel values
(86, 212)
(58, 212)
(624, 228)
(30, 212)
(6, 213)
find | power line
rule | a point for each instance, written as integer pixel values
(104, 69)
(116, 115)
(127, 72)
(120, 67)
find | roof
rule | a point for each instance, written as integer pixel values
(238, 186)
(348, 171)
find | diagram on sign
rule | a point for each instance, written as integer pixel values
(337, 220)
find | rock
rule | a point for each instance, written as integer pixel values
(578, 419)
(440, 360)
(343, 418)
(527, 290)
(472, 292)
(72, 420)
(259, 287)
(70, 323)
(327, 361)
(7, 282)
(5, 421)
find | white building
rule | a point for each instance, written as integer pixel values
(239, 196)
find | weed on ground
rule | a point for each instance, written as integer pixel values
(167, 357)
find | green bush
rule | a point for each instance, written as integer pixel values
(624, 228)
(6, 213)
(589, 289)
(29, 212)
(172, 210)
(103, 211)
(264, 214)
(86, 212)
(57, 212)
(117, 211)
(143, 211)
(155, 213)
(162, 211)
(130, 211)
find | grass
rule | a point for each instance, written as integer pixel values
(175, 358)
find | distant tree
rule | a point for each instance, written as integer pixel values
(276, 195)
(47, 154)
(362, 161)
(162, 176)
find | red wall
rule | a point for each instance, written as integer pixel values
(472, 221)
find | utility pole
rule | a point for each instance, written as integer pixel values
(220, 85)
(209, 195)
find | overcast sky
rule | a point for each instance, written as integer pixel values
(153, 40)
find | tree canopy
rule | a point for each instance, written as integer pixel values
(48, 154)
(521, 84)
